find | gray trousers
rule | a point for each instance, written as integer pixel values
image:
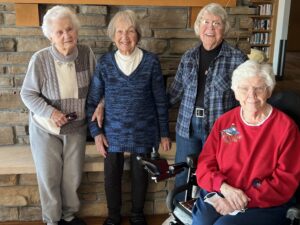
(59, 162)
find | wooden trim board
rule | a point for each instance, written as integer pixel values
(27, 11)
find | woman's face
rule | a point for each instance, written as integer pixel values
(63, 35)
(126, 37)
(252, 94)
(211, 31)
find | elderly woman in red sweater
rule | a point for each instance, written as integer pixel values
(249, 167)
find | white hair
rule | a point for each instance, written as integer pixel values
(215, 9)
(127, 15)
(252, 68)
(58, 12)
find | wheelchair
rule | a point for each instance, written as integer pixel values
(159, 169)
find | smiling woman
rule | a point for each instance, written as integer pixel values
(61, 28)
(54, 90)
(136, 114)
(253, 84)
(64, 36)
(251, 157)
(202, 83)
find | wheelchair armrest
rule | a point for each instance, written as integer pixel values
(293, 213)
(157, 168)
(170, 200)
(152, 169)
(177, 168)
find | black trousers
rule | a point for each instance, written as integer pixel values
(113, 171)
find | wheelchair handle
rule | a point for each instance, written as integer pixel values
(155, 154)
(152, 169)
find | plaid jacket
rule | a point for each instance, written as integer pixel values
(218, 97)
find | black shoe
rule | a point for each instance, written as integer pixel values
(75, 221)
(61, 222)
(110, 221)
(138, 220)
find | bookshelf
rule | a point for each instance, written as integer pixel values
(264, 26)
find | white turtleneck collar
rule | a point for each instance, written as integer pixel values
(128, 63)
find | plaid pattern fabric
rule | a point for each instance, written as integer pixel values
(218, 97)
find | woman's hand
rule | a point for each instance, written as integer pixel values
(222, 206)
(101, 144)
(166, 143)
(237, 199)
(59, 118)
(99, 114)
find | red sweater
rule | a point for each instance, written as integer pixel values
(263, 161)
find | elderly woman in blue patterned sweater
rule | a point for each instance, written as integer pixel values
(136, 113)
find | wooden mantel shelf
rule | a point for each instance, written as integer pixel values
(27, 11)
(191, 3)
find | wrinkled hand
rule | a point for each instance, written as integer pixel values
(99, 114)
(59, 118)
(222, 206)
(166, 143)
(237, 199)
(101, 144)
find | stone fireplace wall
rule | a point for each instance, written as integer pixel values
(166, 31)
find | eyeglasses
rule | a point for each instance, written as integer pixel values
(257, 90)
(216, 24)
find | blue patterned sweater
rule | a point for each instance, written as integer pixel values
(136, 108)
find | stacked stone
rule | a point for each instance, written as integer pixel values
(166, 32)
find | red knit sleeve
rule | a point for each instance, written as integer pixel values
(278, 188)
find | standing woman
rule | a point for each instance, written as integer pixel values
(55, 90)
(202, 83)
(136, 113)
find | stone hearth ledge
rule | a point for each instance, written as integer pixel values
(17, 159)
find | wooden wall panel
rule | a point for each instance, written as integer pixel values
(129, 2)
(27, 15)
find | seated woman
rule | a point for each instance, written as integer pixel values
(249, 168)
